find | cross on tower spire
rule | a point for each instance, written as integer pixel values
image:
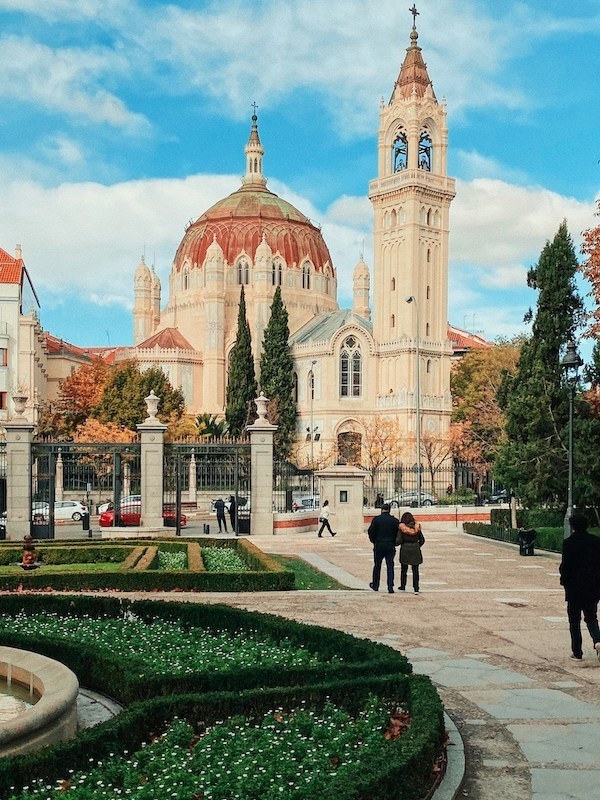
(415, 14)
(254, 106)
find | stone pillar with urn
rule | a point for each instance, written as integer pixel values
(152, 432)
(19, 435)
(261, 448)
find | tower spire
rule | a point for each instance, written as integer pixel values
(413, 79)
(254, 155)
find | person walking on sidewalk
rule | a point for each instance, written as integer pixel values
(383, 531)
(580, 575)
(324, 520)
(410, 539)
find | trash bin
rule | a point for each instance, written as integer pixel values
(85, 522)
(526, 540)
(206, 529)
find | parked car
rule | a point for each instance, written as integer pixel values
(410, 498)
(307, 503)
(131, 517)
(63, 509)
(126, 502)
(499, 497)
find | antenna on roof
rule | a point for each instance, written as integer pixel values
(108, 337)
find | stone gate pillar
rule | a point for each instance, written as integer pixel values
(19, 435)
(152, 432)
(343, 486)
(261, 448)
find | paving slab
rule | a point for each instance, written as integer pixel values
(565, 784)
(531, 704)
(576, 743)
(467, 672)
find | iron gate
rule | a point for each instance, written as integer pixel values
(215, 470)
(101, 476)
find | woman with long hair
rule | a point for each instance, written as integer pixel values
(410, 539)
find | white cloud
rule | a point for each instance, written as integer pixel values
(66, 80)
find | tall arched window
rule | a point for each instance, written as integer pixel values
(240, 272)
(393, 321)
(400, 151)
(246, 273)
(279, 274)
(429, 292)
(274, 274)
(186, 278)
(295, 387)
(350, 369)
(306, 276)
(428, 256)
(393, 284)
(394, 218)
(428, 365)
(427, 329)
(425, 151)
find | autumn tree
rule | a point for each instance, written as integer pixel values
(381, 444)
(277, 377)
(122, 400)
(591, 270)
(240, 407)
(533, 459)
(475, 381)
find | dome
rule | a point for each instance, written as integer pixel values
(239, 222)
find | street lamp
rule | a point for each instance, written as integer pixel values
(413, 299)
(570, 363)
(312, 423)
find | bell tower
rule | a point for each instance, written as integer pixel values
(411, 199)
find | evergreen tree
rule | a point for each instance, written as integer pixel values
(240, 407)
(533, 460)
(277, 376)
(122, 400)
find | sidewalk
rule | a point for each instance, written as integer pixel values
(490, 628)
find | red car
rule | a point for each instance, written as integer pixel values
(132, 514)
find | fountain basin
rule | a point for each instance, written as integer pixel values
(53, 718)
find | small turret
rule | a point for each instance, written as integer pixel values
(254, 156)
(142, 302)
(362, 286)
(155, 289)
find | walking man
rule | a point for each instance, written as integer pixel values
(383, 531)
(580, 575)
(220, 509)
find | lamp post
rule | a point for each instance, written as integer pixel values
(413, 299)
(312, 424)
(570, 363)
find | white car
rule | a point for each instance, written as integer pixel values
(307, 503)
(63, 509)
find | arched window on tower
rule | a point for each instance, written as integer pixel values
(427, 329)
(240, 272)
(429, 217)
(306, 275)
(186, 278)
(274, 274)
(428, 256)
(393, 321)
(279, 274)
(394, 218)
(429, 292)
(400, 151)
(425, 151)
(246, 273)
(428, 365)
(393, 284)
(350, 369)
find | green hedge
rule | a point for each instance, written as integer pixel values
(546, 538)
(265, 573)
(403, 770)
(529, 518)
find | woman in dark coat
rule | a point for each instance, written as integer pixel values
(410, 539)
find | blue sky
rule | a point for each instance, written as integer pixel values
(123, 120)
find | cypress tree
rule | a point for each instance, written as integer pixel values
(277, 376)
(240, 409)
(533, 460)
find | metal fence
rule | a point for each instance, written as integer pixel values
(451, 482)
(292, 487)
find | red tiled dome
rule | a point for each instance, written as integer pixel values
(239, 222)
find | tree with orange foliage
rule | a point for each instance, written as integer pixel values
(381, 443)
(591, 270)
(92, 430)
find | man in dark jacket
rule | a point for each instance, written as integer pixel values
(382, 533)
(580, 575)
(219, 506)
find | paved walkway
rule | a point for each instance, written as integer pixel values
(490, 628)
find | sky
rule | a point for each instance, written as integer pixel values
(122, 121)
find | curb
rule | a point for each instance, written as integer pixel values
(455, 771)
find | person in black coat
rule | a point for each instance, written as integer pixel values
(220, 509)
(232, 511)
(580, 575)
(383, 531)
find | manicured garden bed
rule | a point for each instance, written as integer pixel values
(162, 564)
(300, 723)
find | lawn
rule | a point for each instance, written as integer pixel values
(307, 577)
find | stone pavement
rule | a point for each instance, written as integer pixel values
(490, 628)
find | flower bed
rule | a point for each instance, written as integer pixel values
(340, 722)
(302, 753)
(150, 565)
(222, 559)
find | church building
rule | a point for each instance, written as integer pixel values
(351, 365)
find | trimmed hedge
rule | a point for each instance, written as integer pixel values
(546, 539)
(529, 517)
(403, 770)
(60, 554)
(265, 574)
